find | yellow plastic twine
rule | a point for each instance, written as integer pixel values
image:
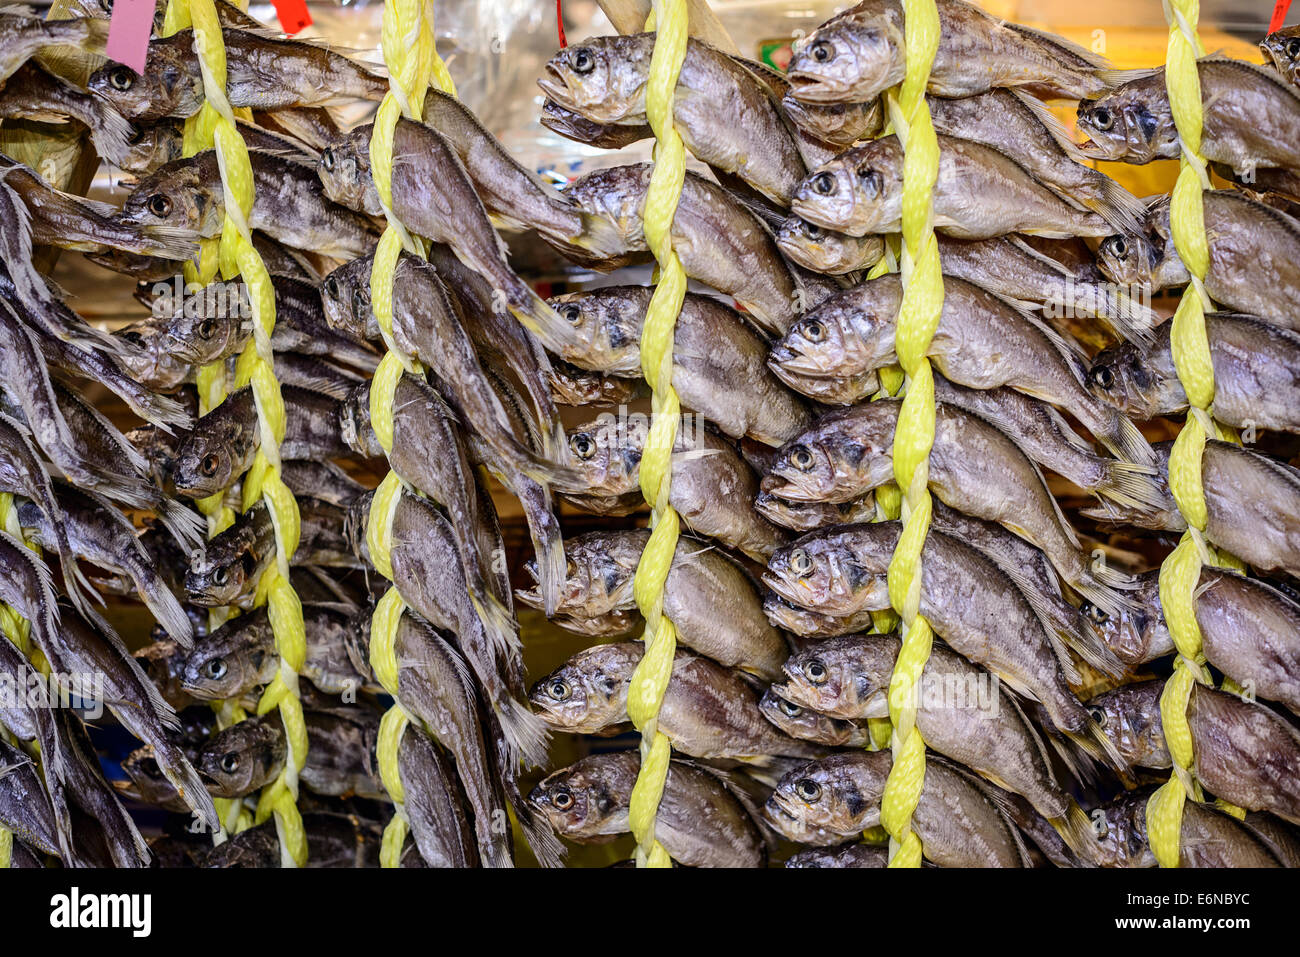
(235, 255)
(211, 384)
(413, 65)
(1181, 572)
(917, 320)
(650, 680)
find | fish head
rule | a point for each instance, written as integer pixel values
(226, 663)
(804, 470)
(1131, 631)
(344, 171)
(577, 802)
(147, 779)
(816, 572)
(800, 516)
(173, 196)
(354, 422)
(826, 251)
(207, 460)
(602, 79)
(836, 124)
(1123, 377)
(796, 720)
(153, 146)
(241, 758)
(853, 59)
(201, 331)
(1132, 123)
(1121, 832)
(345, 300)
(858, 193)
(220, 577)
(1130, 259)
(822, 798)
(587, 693)
(607, 454)
(836, 340)
(1130, 717)
(599, 568)
(1282, 47)
(608, 323)
(166, 88)
(842, 675)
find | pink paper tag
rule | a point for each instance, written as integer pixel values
(128, 33)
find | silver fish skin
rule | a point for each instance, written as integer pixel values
(837, 125)
(1250, 631)
(961, 713)
(224, 442)
(982, 342)
(23, 35)
(240, 656)
(1283, 50)
(708, 711)
(452, 214)
(837, 797)
(711, 600)
(264, 72)
(1280, 838)
(1254, 251)
(1256, 374)
(712, 486)
(809, 725)
(727, 116)
(719, 362)
(980, 193)
(290, 205)
(1251, 504)
(701, 822)
(439, 824)
(825, 250)
(34, 93)
(575, 126)
(1021, 126)
(25, 808)
(858, 54)
(722, 244)
(119, 842)
(575, 387)
(974, 468)
(972, 602)
(846, 855)
(1251, 118)
(324, 480)
(1208, 838)
(341, 746)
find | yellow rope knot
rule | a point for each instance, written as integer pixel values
(413, 65)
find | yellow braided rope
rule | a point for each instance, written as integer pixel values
(1181, 572)
(212, 390)
(650, 680)
(917, 320)
(235, 255)
(413, 65)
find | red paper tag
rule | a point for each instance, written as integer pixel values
(1279, 14)
(293, 15)
(128, 32)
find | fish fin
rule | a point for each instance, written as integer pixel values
(525, 732)
(178, 769)
(170, 242)
(1096, 61)
(186, 527)
(599, 236)
(1130, 319)
(548, 548)
(1124, 439)
(1120, 208)
(16, 247)
(1095, 744)
(1113, 78)
(1077, 832)
(1134, 486)
(112, 133)
(1040, 256)
(44, 582)
(545, 845)
(165, 606)
(1050, 122)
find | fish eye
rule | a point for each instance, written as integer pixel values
(211, 462)
(220, 577)
(1117, 246)
(1102, 377)
(562, 799)
(230, 762)
(822, 51)
(1094, 614)
(327, 159)
(159, 205)
(1293, 48)
(582, 445)
(815, 671)
(582, 60)
(812, 230)
(808, 789)
(789, 708)
(1103, 118)
(122, 79)
(801, 458)
(800, 563)
(207, 329)
(823, 183)
(215, 669)
(572, 312)
(814, 331)
(1098, 715)
(558, 689)
(331, 287)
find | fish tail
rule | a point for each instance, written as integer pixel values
(162, 410)
(1119, 435)
(178, 769)
(548, 548)
(1120, 208)
(537, 316)
(1134, 486)
(498, 620)
(110, 132)
(1093, 741)
(16, 247)
(525, 732)
(599, 236)
(546, 847)
(1087, 644)
(165, 606)
(1130, 319)
(1077, 832)
(185, 525)
(167, 242)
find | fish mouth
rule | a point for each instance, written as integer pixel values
(795, 594)
(1093, 150)
(532, 597)
(556, 86)
(815, 88)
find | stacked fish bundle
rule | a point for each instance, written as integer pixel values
(1040, 703)
(1048, 330)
